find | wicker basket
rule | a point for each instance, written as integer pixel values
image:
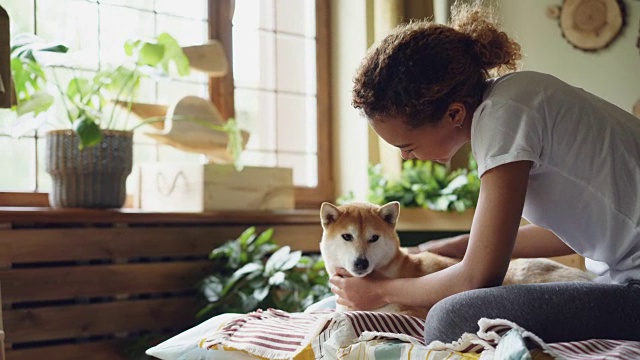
(91, 178)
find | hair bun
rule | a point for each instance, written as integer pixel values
(494, 48)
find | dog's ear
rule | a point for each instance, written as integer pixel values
(328, 213)
(390, 212)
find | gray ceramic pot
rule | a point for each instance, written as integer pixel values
(91, 178)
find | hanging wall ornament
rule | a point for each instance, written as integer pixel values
(589, 25)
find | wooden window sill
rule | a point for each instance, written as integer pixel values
(410, 219)
(13, 215)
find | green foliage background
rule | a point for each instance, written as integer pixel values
(253, 272)
(425, 184)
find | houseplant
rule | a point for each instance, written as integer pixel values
(253, 272)
(90, 157)
(425, 184)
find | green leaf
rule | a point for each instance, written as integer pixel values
(173, 54)
(291, 261)
(151, 54)
(247, 269)
(234, 146)
(264, 237)
(212, 288)
(292, 283)
(59, 48)
(277, 259)
(261, 293)
(249, 232)
(277, 278)
(88, 132)
(40, 101)
(458, 182)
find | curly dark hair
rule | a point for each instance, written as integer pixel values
(419, 69)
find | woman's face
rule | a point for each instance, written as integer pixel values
(438, 142)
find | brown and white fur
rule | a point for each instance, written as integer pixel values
(361, 238)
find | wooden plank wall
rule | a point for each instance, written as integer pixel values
(82, 291)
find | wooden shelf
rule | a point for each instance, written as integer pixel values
(411, 219)
(49, 215)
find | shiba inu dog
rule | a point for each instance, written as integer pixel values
(361, 238)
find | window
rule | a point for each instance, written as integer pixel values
(280, 86)
(280, 62)
(96, 31)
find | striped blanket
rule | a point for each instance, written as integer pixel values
(360, 335)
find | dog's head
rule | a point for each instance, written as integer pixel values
(359, 237)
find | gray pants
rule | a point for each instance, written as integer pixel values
(556, 312)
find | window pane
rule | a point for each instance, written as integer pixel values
(305, 168)
(136, 4)
(186, 31)
(296, 64)
(61, 21)
(169, 92)
(118, 24)
(255, 111)
(278, 65)
(254, 14)
(258, 158)
(296, 17)
(147, 91)
(18, 158)
(297, 123)
(188, 9)
(254, 61)
(21, 18)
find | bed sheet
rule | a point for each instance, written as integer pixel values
(359, 335)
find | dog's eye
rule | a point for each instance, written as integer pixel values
(347, 237)
(374, 238)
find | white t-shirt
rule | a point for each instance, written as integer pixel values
(584, 184)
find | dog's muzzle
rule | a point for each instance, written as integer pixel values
(361, 265)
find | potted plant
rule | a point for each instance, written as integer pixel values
(90, 156)
(253, 272)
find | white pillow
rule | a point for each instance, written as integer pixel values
(184, 346)
(205, 354)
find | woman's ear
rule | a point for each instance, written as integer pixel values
(456, 113)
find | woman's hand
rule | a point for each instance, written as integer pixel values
(358, 293)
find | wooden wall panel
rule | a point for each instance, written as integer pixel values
(85, 320)
(81, 284)
(97, 350)
(69, 282)
(27, 246)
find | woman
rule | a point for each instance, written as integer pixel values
(566, 160)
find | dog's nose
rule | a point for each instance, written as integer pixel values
(361, 263)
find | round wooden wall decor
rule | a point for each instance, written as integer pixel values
(591, 25)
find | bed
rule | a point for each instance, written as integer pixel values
(359, 335)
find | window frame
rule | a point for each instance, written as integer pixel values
(221, 92)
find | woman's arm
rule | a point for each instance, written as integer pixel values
(535, 241)
(485, 263)
(532, 241)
